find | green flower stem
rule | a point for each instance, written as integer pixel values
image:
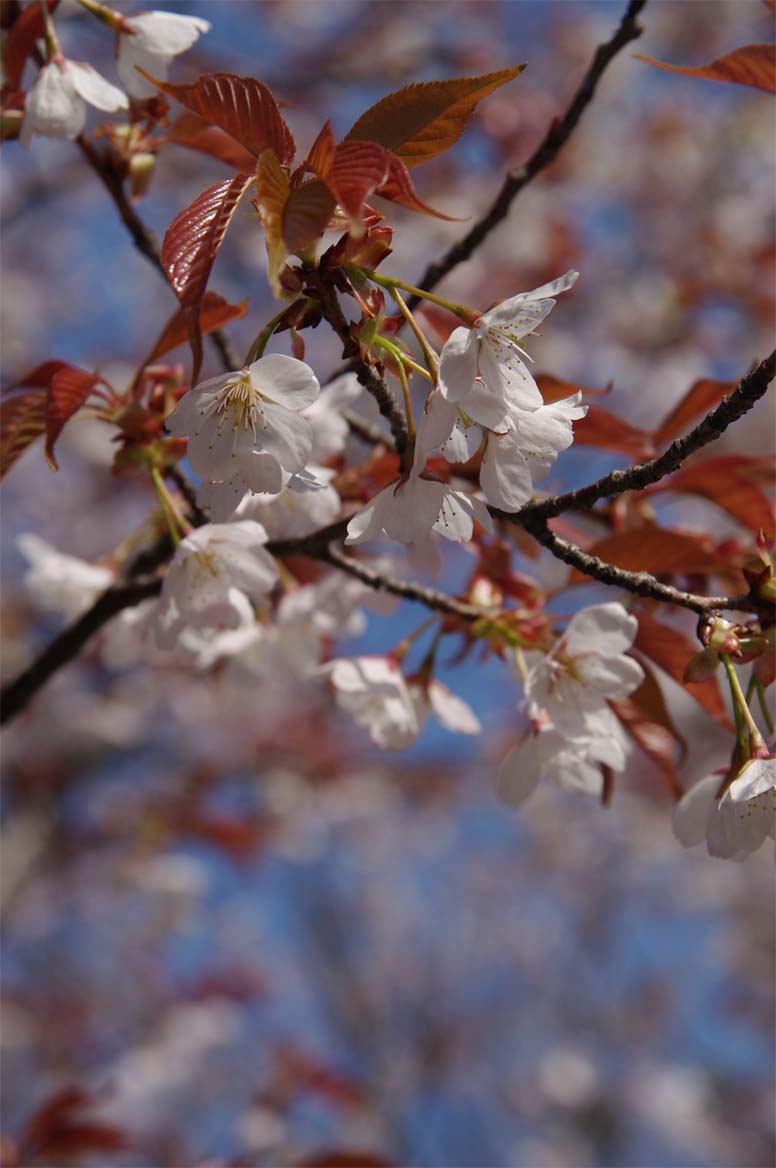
(398, 357)
(262, 340)
(174, 520)
(522, 668)
(53, 47)
(102, 12)
(744, 719)
(432, 361)
(390, 283)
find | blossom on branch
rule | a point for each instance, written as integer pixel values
(246, 428)
(58, 582)
(55, 107)
(733, 820)
(151, 40)
(373, 691)
(573, 763)
(483, 368)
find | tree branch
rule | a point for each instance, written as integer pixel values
(546, 152)
(639, 583)
(732, 407)
(437, 601)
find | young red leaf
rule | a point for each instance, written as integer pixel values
(421, 121)
(306, 214)
(194, 132)
(730, 482)
(242, 106)
(40, 377)
(321, 157)
(606, 431)
(22, 420)
(399, 189)
(214, 314)
(655, 550)
(753, 65)
(20, 41)
(554, 389)
(655, 740)
(672, 651)
(699, 399)
(190, 247)
(272, 189)
(70, 387)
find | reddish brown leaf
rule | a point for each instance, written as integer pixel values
(214, 314)
(655, 740)
(321, 157)
(753, 65)
(40, 377)
(421, 121)
(70, 387)
(398, 188)
(655, 550)
(24, 32)
(650, 700)
(191, 245)
(606, 431)
(242, 106)
(730, 482)
(306, 214)
(22, 420)
(272, 191)
(672, 650)
(194, 132)
(58, 1129)
(699, 399)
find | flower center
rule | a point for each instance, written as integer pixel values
(242, 403)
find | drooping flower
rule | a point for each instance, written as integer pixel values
(513, 461)
(373, 691)
(294, 511)
(733, 820)
(209, 565)
(586, 668)
(483, 368)
(574, 764)
(58, 582)
(409, 510)
(151, 40)
(55, 107)
(246, 428)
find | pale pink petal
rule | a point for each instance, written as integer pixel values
(458, 364)
(604, 628)
(285, 380)
(93, 88)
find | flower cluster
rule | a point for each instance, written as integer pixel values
(575, 731)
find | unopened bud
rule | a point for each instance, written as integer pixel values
(720, 635)
(141, 167)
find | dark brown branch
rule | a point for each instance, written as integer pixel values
(142, 238)
(375, 385)
(639, 583)
(437, 601)
(546, 152)
(732, 407)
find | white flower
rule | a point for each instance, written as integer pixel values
(246, 428)
(58, 582)
(587, 667)
(452, 711)
(209, 566)
(515, 460)
(483, 368)
(330, 430)
(294, 512)
(409, 510)
(56, 105)
(374, 693)
(151, 41)
(735, 823)
(575, 764)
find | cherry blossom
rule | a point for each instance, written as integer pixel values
(151, 40)
(587, 668)
(574, 764)
(373, 691)
(409, 510)
(733, 820)
(209, 566)
(483, 368)
(245, 428)
(58, 582)
(55, 107)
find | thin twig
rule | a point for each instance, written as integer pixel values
(437, 601)
(639, 583)
(737, 403)
(546, 152)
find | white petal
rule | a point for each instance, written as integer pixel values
(286, 436)
(452, 711)
(261, 473)
(166, 33)
(758, 777)
(602, 628)
(691, 813)
(93, 88)
(53, 108)
(435, 427)
(219, 500)
(366, 523)
(612, 677)
(285, 380)
(458, 364)
(518, 775)
(504, 476)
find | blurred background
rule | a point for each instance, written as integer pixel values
(235, 933)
